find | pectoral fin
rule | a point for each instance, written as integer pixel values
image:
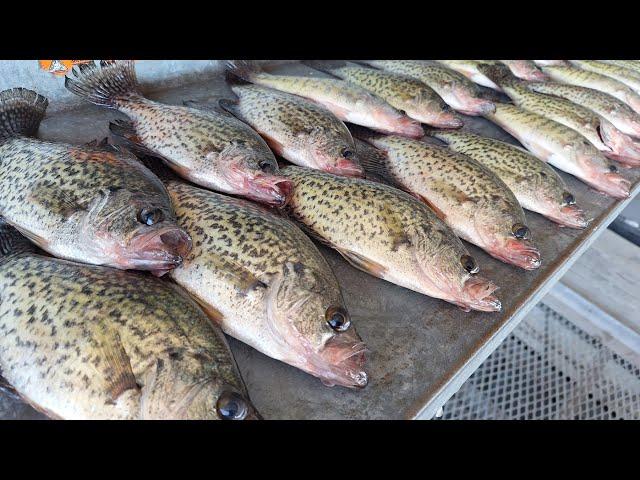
(364, 264)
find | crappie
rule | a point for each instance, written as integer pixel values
(525, 69)
(607, 106)
(629, 64)
(460, 93)
(602, 134)
(629, 77)
(88, 342)
(469, 68)
(298, 130)
(389, 234)
(83, 203)
(597, 81)
(265, 283)
(407, 94)
(562, 147)
(468, 197)
(346, 101)
(211, 149)
(535, 184)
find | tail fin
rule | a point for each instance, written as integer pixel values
(243, 69)
(21, 112)
(104, 84)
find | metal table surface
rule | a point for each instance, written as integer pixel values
(421, 349)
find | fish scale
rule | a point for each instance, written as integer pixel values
(89, 342)
(265, 283)
(535, 184)
(388, 234)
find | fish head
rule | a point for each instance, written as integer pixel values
(135, 230)
(562, 209)
(337, 156)
(450, 272)
(508, 239)
(391, 120)
(432, 111)
(623, 147)
(307, 315)
(467, 99)
(600, 172)
(253, 174)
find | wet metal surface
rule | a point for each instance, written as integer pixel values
(421, 349)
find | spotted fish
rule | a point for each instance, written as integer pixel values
(415, 98)
(265, 283)
(585, 78)
(346, 101)
(88, 342)
(296, 129)
(83, 203)
(460, 93)
(209, 148)
(389, 234)
(629, 77)
(535, 184)
(562, 147)
(472, 200)
(601, 133)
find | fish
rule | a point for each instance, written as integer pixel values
(298, 130)
(88, 342)
(469, 68)
(415, 98)
(346, 101)
(629, 77)
(525, 70)
(468, 197)
(607, 106)
(264, 282)
(551, 63)
(584, 78)
(629, 64)
(602, 134)
(535, 184)
(460, 93)
(80, 202)
(390, 235)
(562, 147)
(209, 148)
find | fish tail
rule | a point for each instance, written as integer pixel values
(106, 84)
(242, 69)
(21, 112)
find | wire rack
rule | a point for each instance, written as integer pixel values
(549, 369)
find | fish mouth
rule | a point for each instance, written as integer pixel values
(445, 120)
(342, 362)
(345, 168)
(519, 253)
(470, 105)
(569, 216)
(623, 148)
(409, 127)
(270, 189)
(158, 251)
(612, 184)
(477, 295)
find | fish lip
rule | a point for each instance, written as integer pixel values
(519, 253)
(478, 295)
(446, 121)
(159, 251)
(347, 370)
(272, 190)
(614, 185)
(570, 216)
(345, 168)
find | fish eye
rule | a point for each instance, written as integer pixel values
(520, 231)
(267, 166)
(346, 153)
(469, 264)
(231, 406)
(150, 216)
(568, 198)
(338, 319)
(402, 112)
(613, 168)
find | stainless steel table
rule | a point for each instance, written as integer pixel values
(421, 349)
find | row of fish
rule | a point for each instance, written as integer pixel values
(251, 269)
